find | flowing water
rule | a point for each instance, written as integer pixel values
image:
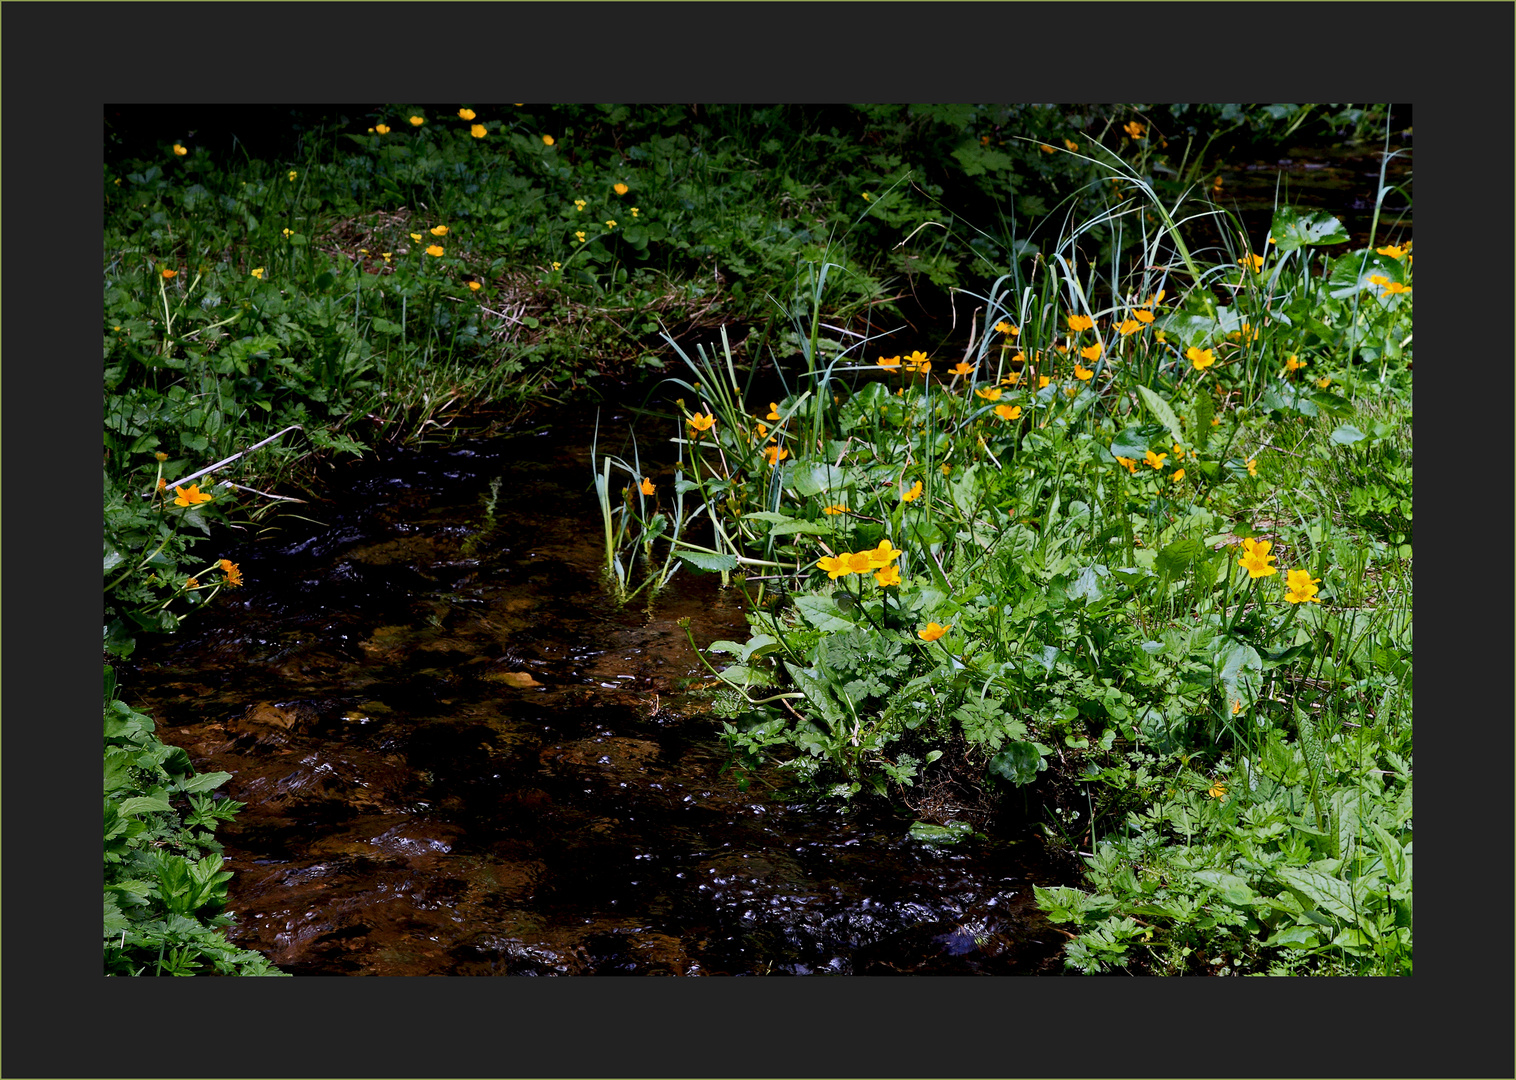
(458, 757)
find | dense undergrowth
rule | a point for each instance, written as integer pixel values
(1065, 612)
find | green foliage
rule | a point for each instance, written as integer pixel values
(165, 891)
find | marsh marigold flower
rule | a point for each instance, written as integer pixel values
(1142, 315)
(417, 121)
(1155, 460)
(1392, 250)
(474, 286)
(416, 237)
(1008, 412)
(170, 274)
(466, 114)
(1091, 352)
(1294, 363)
(1217, 790)
(1252, 466)
(547, 140)
(1072, 145)
(635, 211)
(888, 361)
(382, 129)
(292, 175)
(837, 508)
(1255, 558)
(232, 571)
(181, 151)
(620, 189)
(1134, 129)
(191, 496)
(992, 394)
(919, 361)
(701, 422)
(933, 631)
(1043, 380)
(1252, 262)
(1178, 475)
(440, 230)
(1200, 358)
(1045, 148)
(1323, 382)
(913, 494)
(887, 575)
(773, 411)
(1129, 464)
(1081, 322)
(1300, 587)
(1083, 374)
(435, 251)
(1393, 287)
(647, 486)
(963, 367)
(775, 454)
(834, 565)
(1130, 326)
(1006, 328)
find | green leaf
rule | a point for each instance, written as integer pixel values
(708, 561)
(1019, 763)
(822, 613)
(1175, 558)
(814, 478)
(950, 833)
(1160, 409)
(144, 804)
(204, 781)
(1291, 229)
(1331, 895)
(1135, 441)
(1346, 435)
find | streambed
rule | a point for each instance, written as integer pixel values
(459, 757)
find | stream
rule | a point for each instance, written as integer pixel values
(459, 757)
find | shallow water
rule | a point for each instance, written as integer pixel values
(458, 757)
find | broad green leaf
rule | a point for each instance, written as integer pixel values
(1175, 558)
(814, 478)
(1019, 762)
(950, 833)
(144, 804)
(1135, 441)
(1291, 229)
(1296, 937)
(1346, 435)
(1331, 895)
(822, 613)
(1160, 409)
(708, 561)
(204, 781)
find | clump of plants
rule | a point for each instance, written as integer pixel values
(1119, 543)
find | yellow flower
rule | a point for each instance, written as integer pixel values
(547, 140)
(763, 431)
(887, 575)
(417, 121)
(918, 360)
(1395, 287)
(292, 175)
(1129, 464)
(1236, 707)
(1255, 558)
(888, 361)
(1130, 326)
(1071, 144)
(1083, 374)
(1391, 250)
(232, 571)
(913, 494)
(580, 204)
(160, 455)
(557, 266)
(837, 508)
(611, 223)
(1201, 358)
(170, 274)
(701, 422)
(867, 196)
(1134, 129)
(1323, 382)
(1252, 466)
(647, 486)
(385, 255)
(1252, 262)
(382, 129)
(192, 583)
(434, 250)
(1378, 279)
(258, 273)
(1091, 352)
(1143, 316)
(835, 565)
(1155, 460)
(1045, 148)
(858, 562)
(775, 454)
(1178, 475)
(287, 233)
(474, 286)
(1081, 322)
(579, 235)
(1155, 299)
(635, 211)
(1006, 328)
(1300, 587)
(1008, 412)
(1294, 363)
(191, 496)
(963, 367)
(773, 411)
(162, 483)
(478, 131)
(440, 230)
(416, 237)
(1043, 380)
(992, 394)
(181, 151)
(466, 114)
(620, 189)
(1178, 452)
(933, 631)
(1217, 790)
